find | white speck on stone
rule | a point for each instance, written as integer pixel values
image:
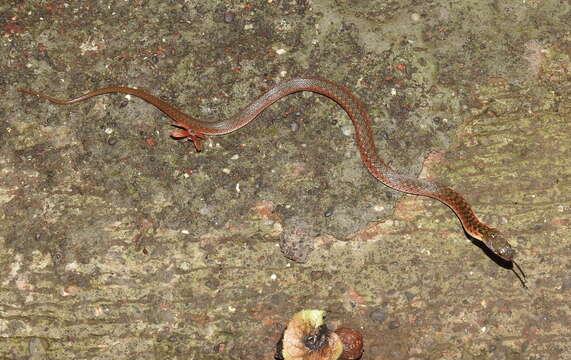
(393, 91)
(231, 309)
(415, 17)
(89, 45)
(273, 276)
(379, 208)
(185, 232)
(277, 228)
(281, 51)
(347, 130)
(226, 171)
(72, 266)
(109, 131)
(15, 267)
(484, 329)
(238, 187)
(248, 27)
(235, 157)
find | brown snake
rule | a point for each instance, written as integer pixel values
(192, 129)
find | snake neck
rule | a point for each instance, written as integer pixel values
(411, 185)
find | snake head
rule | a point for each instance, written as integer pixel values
(497, 242)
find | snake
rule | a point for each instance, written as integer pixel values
(189, 128)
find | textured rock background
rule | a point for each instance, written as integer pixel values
(117, 242)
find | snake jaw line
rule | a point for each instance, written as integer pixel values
(506, 253)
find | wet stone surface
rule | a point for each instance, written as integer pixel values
(118, 242)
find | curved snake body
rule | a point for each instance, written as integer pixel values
(190, 128)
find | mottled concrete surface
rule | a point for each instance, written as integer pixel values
(117, 242)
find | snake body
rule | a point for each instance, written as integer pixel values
(190, 128)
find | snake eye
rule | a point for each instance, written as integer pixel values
(506, 253)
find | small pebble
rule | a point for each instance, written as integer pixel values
(378, 315)
(409, 296)
(316, 275)
(229, 17)
(296, 241)
(394, 325)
